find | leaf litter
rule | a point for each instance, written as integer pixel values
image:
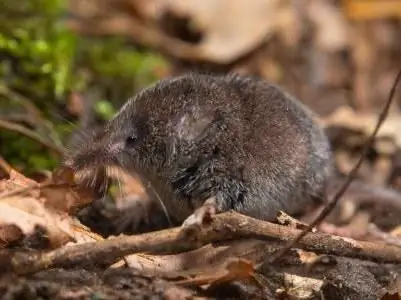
(47, 208)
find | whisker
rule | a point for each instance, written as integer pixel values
(119, 184)
(93, 181)
(106, 180)
(120, 175)
(149, 187)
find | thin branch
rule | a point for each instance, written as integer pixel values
(30, 134)
(10, 94)
(330, 206)
(34, 115)
(144, 35)
(225, 226)
(5, 166)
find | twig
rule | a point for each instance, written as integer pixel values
(330, 206)
(143, 35)
(225, 226)
(30, 134)
(34, 116)
(5, 166)
(32, 109)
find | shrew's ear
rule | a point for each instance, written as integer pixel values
(196, 125)
(194, 129)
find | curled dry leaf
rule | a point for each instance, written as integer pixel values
(28, 214)
(226, 36)
(64, 196)
(15, 181)
(198, 261)
(234, 269)
(42, 205)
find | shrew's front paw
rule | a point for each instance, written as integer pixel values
(203, 215)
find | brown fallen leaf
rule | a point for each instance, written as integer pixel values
(188, 264)
(27, 213)
(8, 234)
(16, 181)
(233, 269)
(45, 205)
(64, 195)
(388, 138)
(225, 37)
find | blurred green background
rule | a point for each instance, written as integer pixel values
(329, 54)
(44, 64)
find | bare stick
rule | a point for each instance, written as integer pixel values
(30, 134)
(225, 226)
(330, 206)
(32, 109)
(5, 165)
(33, 116)
(147, 36)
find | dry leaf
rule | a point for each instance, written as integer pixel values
(234, 269)
(63, 196)
(372, 10)
(229, 29)
(301, 287)
(17, 181)
(9, 234)
(388, 138)
(46, 208)
(199, 260)
(28, 213)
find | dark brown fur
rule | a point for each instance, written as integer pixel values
(240, 139)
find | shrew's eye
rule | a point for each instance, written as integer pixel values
(131, 140)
